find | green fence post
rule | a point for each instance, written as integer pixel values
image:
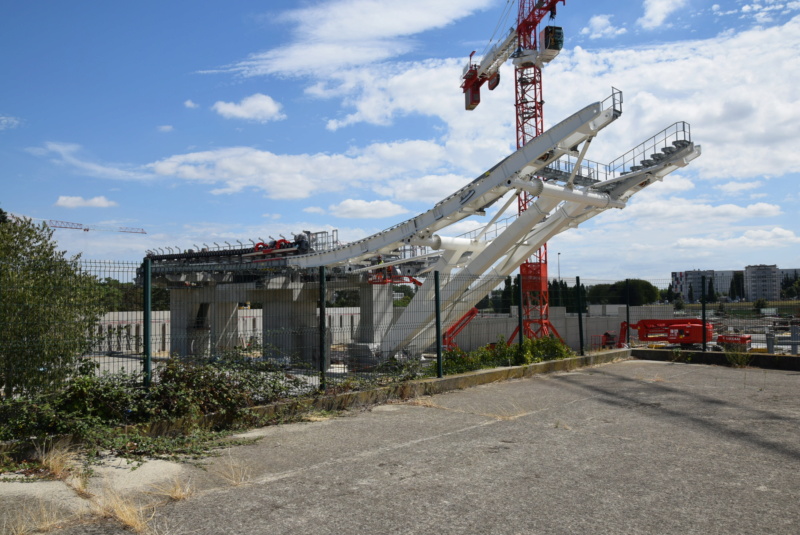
(148, 322)
(703, 308)
(437, 299)
(520, 322)
(322, 327)
(580, 314)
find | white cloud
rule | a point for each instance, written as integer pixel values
(354, 208)
(190, 104)
(751, 239)
(260, 108)
(428, 188)
(165, 128)
(701, 82)
(339, 34)
(600, 26)
(67, 154)
(300, 176)
(656, 12)
(65, 201)
(674, 212)
(7, 123)
(735, 188)
(314, 210)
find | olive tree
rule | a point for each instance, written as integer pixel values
(47, 308)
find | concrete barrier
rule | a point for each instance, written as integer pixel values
(718, 358)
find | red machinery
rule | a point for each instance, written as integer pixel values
(685, 332)
(734, 341)
(449, 337)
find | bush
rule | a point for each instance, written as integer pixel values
(501, 354)
(91, 407)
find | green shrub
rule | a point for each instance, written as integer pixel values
(92, 407)
(502, 354)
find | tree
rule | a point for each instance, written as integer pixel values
(711, 295)
(408, 294)
(602, 294)
(48, 307)
(640, 292)
(691, 293)
(345, 298)
(736, 289)
(118, 296)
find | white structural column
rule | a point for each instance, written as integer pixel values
(224, 324)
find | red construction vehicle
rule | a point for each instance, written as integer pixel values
(739, 342)
(686, 332)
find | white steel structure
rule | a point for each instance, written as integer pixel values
(575, 191)
(569, 190)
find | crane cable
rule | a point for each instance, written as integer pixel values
(501, 22)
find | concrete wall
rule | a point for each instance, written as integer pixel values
(121, 332)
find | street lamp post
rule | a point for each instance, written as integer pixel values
(559, 268)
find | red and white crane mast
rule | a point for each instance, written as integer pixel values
(534, 50)
(530, 50)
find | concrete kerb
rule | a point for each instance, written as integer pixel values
(431, 386)
(717, 358)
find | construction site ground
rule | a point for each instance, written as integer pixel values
(630, 447)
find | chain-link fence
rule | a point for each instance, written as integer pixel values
(330, 329)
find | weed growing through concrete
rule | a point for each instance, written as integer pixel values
(57, 458)
(232, 471)
(112, 504)
(738, 360)
(39, 517)
(174, 490)
(78, 480)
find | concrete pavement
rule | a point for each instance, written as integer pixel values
(630, 447)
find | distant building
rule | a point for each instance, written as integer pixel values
(762, 282)
(683, 281)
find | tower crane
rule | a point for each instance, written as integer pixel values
(529, 50)
(54, 223)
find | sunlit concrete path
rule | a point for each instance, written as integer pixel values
(630, 447)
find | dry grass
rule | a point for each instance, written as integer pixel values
(78, 480)
(174, 490)
(58, 458)
(40, 517)
(232, 470)
(112, 504)
(424, 402)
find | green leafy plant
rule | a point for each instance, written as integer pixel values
(47, 305)
(502, 354)
(737, 359)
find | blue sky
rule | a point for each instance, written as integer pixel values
(207, 122)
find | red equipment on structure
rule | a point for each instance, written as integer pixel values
(449, 336)
(685, 332)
